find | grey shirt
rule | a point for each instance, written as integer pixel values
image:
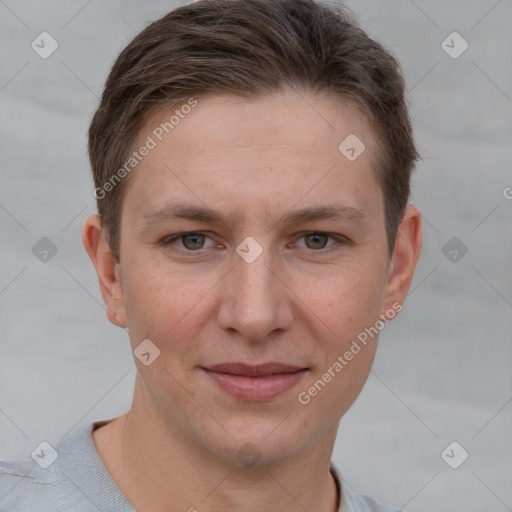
(77, 480)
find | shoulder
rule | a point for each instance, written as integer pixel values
(25, 486)
(353, 501)
(69, 476)
(363, 503)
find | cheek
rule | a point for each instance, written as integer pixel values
(167, 310)
(349, 303)
(346, 301)
(163, 304)
(349, 312)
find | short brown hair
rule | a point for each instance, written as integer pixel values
(251, 48)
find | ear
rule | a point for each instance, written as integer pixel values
(404, 259)
(107, 269)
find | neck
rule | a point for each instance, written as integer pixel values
(159, 468)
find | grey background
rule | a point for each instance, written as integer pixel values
(442, 371)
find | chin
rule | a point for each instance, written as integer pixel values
(256, 445)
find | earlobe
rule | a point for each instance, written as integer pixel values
(107, 269)
(405, 257)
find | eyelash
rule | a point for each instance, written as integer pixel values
(340, 240)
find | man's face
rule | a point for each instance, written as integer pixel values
(317, 284)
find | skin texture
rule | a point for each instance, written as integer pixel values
(302, 301)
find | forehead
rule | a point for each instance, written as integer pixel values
(304, 121)
(272, 150)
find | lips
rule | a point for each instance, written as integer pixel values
(260, 370)
(255, 383)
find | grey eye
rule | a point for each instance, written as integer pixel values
(193, 241)
(316, 240)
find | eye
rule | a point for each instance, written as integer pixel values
(193, 241)
(190, 242)
(317, 242)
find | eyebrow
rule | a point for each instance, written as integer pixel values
(205, 214)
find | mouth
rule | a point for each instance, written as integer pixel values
(255, 383)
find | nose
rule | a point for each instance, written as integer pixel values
(256, 302)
